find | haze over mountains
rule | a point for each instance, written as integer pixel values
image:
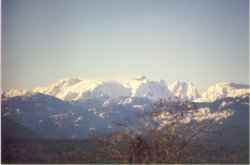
(73, 89)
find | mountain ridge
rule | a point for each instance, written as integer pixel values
(73, 89)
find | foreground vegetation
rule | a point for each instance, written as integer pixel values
(204, 142)
(120, 148)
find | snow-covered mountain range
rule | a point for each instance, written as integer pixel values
(74, 107)
(73, 89)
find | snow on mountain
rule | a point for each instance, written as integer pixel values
(73, 89)
(225, 89)
(154, 90)
(15, 92)
(134, 84)
(69, 89)
(111, 89)
(184, 90)
(200, 115)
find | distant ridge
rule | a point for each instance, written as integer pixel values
(73, 89)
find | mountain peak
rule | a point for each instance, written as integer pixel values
(141, 78)
(225, 89)
(15, 92)
(232, 85)
(184, 90)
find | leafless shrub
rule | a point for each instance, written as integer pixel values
(171, 144)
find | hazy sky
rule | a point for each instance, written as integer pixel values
(204, 41)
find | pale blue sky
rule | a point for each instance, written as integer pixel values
(204, 41)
